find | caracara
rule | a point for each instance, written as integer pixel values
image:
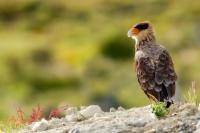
(154, 66)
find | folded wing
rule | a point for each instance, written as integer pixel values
(157, 76)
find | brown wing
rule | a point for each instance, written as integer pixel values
(165, 74)
(157, 77)
(145, 69)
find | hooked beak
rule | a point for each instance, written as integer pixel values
(132, 32)
(129, 34)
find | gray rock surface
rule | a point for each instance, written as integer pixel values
(90, 111)
(40, 125)
(183, 118)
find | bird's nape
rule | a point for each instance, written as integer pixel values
(142, 26)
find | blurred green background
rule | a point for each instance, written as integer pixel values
(75, 52)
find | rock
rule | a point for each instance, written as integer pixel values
(82, 107)
(40, 125)
(71, 111)
(71, 114)
(90, 111)
(74, 131)
(72, 118)
(198, 115)
(187, 109)
(199, 108)
(182, 118)
(112, 109)
(139, 117)
(54, 121)
(120, 108)
(198, 125)
(197, 131)
(98, 115)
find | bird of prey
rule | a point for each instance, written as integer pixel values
(154, 66)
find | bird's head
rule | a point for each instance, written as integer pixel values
(141, 32)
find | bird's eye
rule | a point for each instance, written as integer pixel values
(142, 26)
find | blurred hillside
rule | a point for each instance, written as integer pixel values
(75, 52)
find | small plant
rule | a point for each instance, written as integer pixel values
(21, 120)
(15, 122)
(159, 109)
(191, 96)
(57, 112)
(54, 113)
(8, 127)
(36, 114)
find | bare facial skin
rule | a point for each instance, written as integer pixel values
(141, 31)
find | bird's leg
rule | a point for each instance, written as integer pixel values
(169, 103)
